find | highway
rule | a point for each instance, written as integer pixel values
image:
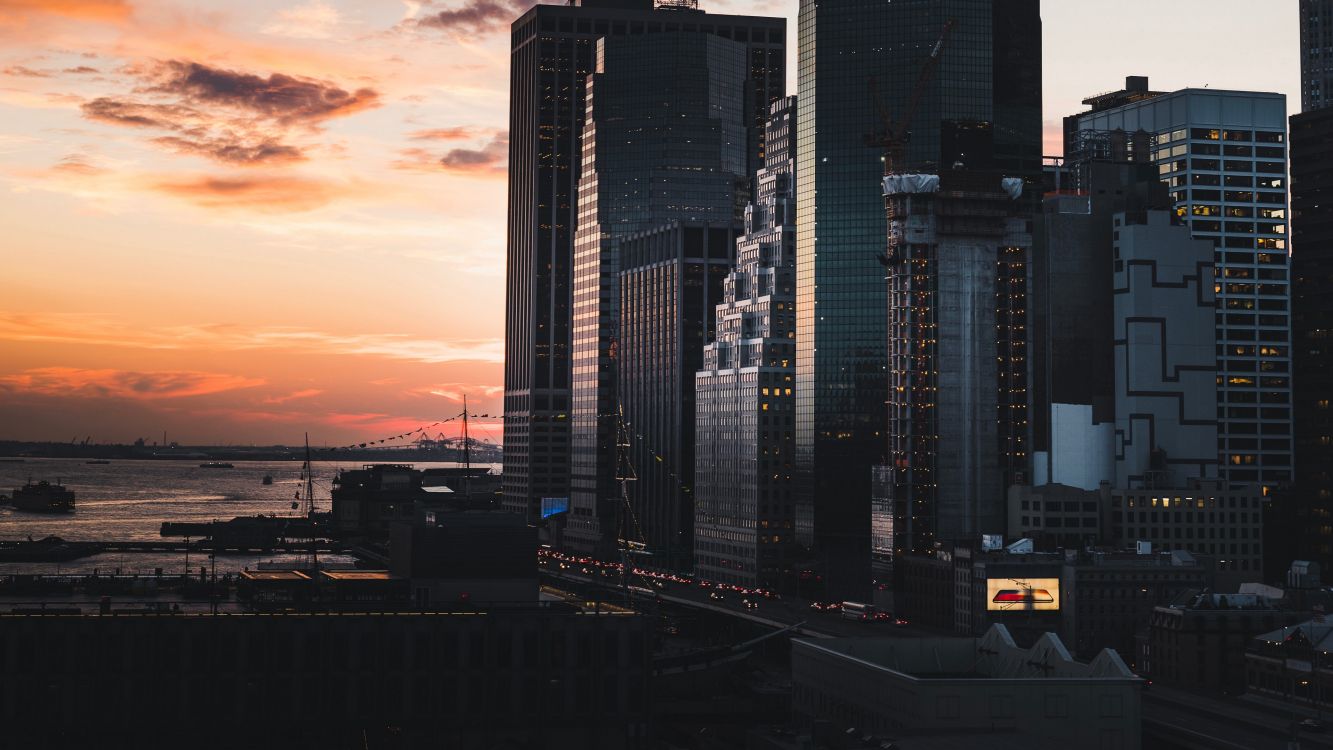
(1188, 720)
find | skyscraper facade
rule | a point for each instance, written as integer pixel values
(552, 54)
(1306, 512)
(1223, 156)
(744, 516)
(1316, 54)
(664, 141)
(982, 109)
(671, 278)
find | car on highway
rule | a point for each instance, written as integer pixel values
(1311, 725)
(716, 596)
(749, 604)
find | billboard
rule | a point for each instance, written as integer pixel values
(1022, 594)
(554, 505)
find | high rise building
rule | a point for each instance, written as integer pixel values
(744, 393)
(671, 278)
(958, 280)
(1316, 54)
(553, 52)
(664, 141)
(1223, 156)
(982, 109)
(1306, 512)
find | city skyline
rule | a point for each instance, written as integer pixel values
(306, 202)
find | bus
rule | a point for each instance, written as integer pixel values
(858, 611)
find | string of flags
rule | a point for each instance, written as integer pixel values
(393, 438)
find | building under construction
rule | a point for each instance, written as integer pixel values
(957, 273)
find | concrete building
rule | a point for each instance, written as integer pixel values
(953, 685)
(744, 514)
(1293, 664)
(982, 108)
(1106, 597)
(1316, 54)
(671, 278)
(1200, 644)
(553, 51)
(958, 368)
(1223, 155)
(664, 141)
(1165, 361)
(463, 558)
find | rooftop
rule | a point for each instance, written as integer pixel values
(274, 575)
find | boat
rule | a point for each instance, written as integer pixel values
(43, 497)
(98, 462)
(268, 479)
(216, 465)
(50, 549)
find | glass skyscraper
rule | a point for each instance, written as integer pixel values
(1316, 54)
(664, 141)
(552, 54)
(982, 109)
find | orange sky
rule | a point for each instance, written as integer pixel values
(239, 221)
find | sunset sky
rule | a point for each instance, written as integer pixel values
(238, 221)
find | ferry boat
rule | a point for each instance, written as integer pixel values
(43, 497)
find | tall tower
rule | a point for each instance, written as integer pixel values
(1223, 156)
(744, 394)
(1316, 54)
(665, 142)
(553, 52)
(859, 58)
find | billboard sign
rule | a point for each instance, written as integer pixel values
(1023, 594)
(554, 505)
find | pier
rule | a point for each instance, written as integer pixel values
(58, 551)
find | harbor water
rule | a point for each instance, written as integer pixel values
(127, 500)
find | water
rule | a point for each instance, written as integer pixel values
(128, 500)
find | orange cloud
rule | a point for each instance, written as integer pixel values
(491, 160)
(67, 382)
(266, 194)
(88, 10)
(441, 134)
(307, 393)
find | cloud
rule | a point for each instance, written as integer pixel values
(313, 20)
(71, 382)
(442, 134)
(82, 69)
(456, 391)
(78, 164)
(105, 330)
(297, 395)
(237, 119)
(267, 194)
(22, 72)
(234, 150)
(489, 159)
(476, 16)
(89, 10)
(283, 98)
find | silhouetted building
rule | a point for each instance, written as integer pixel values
(670, 280)
(1223, 157)
(744, 393)
(665, 141)
(458, 558)
(982, 109)
(1200, 644)
(1316, 54)
(1305, 512)
(553, 51)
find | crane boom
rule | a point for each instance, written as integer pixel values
(894, 135)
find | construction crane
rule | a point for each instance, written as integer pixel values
(894, 134)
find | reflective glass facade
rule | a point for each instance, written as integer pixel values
(552, 54)
(1316, 54)
(981, 109)
(664, 141)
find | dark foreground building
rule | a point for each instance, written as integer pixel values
(982, 109)
(519, 678)
(553, 52)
